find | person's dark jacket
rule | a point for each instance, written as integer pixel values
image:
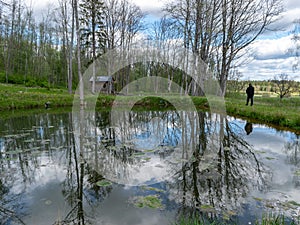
(250, 91)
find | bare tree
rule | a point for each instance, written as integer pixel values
(123, 21)
(219, 30)
(234, 83)
(284, 85)
(66, 21)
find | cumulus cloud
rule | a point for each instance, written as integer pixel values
(275, 48)
(153, 7)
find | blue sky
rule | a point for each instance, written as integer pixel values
(270, 51)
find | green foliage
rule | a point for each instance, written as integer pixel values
(28, 81)
(196, 220)
(271, 219)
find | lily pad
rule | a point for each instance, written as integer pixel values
(150, 201)
(103, 183)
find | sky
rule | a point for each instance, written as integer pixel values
(270, 51)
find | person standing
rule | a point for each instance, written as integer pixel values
(250, 94)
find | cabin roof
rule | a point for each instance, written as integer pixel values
(102, 79)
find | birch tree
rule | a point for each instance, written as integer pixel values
(220, 30)
(80, 78)
(123, 21)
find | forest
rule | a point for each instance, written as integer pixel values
(54, 48)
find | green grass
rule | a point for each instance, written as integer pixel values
(283, 113)
(278, 113)
(21, 97)
(267, 219)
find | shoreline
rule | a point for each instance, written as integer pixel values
(283, 115)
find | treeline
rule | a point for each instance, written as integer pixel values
(42, 50)
(55, 48)
(282, 86)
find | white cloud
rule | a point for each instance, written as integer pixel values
(273, 48)
(270, 58)
(152, 7)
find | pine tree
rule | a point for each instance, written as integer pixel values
(93, 33)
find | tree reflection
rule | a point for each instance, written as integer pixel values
(202, 157)
(223, 171)
(215, 169)
(292, 149)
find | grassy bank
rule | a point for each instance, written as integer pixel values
(284, 114)
(265, 220)
(21, 97)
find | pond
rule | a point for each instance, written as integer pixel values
(145, 168)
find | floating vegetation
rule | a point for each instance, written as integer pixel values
(48, 202)
(9, 136)
(207, 208)
(149, 151)
(56, 148)
(147, 188)
(9, 159)
(29, 140)
(103, 183)
(228, 214)
(14, 152)
(260, 152)
(150, 201)
(291, 208)
(46, 141)
(147, 159)
(297, 173)
(112, 148)
(257, 199)
(137, 154)
(270, 158)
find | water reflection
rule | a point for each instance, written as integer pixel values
(248, 128)
(54, 171)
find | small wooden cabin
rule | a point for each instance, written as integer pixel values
(103, 84)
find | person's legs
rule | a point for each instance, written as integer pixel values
(247, 100)
(251, 100)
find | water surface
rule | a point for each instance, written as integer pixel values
(150, 167)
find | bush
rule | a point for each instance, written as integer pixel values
(43, 83)
(30, 83)
(2, 77)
